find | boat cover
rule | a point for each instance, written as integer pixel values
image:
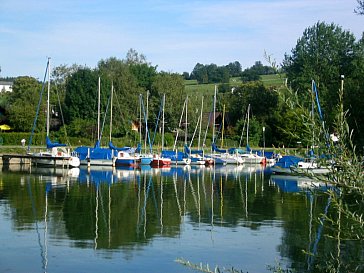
(51, 144)
(174, 156)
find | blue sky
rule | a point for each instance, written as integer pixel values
(173, 35)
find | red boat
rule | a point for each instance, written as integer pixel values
(159, 161)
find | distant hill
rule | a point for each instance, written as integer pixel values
(192, 87)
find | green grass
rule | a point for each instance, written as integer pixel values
(192, 87)
(273, 79)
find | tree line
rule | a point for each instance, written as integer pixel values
(323, 54)
(213, 73)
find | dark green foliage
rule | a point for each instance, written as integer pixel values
(360, 8)
(210, 73)
(263, 103)
(172, 85)
(324, 53)
(14, 138)
(186, 75)
(22, 105)
(144, 74)
(82, 128)
(234, 69)
(81, 96)
(253, 73)
(224, 88)
(249, 75)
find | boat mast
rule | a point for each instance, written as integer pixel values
(98, 111)
(214, 117)
(199, 134)
(186, 132)
(223, 125)
(111, 97)
(146, 123)
(48, 95)
(247, 127)
(312, 114)
(163, 103)
(179, 124)
(140, 119)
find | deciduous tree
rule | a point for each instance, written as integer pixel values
(323, 53)
(22, 104)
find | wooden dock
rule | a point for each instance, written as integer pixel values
(8, 159)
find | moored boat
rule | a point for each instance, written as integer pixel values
(126, 159)
(159, 161)
(56, 154)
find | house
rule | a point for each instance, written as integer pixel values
(207, 117)
(6, 86)
(135, 125)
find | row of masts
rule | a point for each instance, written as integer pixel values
(146, 114)
(185, 112)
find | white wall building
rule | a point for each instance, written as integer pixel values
(6, 86)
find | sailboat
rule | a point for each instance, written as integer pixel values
(126, 156)
(310, 164)
(160, 160)
(56, 154)
(212, 159)
(196, 157)
(249, 156)
(145, 158)
(179, 158)
(97, 155)
(222, 156)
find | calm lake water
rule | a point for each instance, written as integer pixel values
(121, 220)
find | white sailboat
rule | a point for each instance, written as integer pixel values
(56, 154)
(179, 158)
(216, 157)
(222, 156)
(97, 155)
(311, 165)
(196, 158)
(249, 157)
(145, 158)
(159, 160)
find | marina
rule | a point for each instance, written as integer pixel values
(104, 218)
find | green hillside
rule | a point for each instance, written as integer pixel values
(192, 87)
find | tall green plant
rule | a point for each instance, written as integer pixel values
(343, 221)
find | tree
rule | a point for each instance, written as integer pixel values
(81, 96)
(234, 69)
(133, 57)
(172, 85)
(186, 75)
(263, 103)
(360, 9)
(144, 74)
(199, 73)
(253, 73)
(323, 53)
(210, 73)
(249, 75)
(59, 77)
(353, 89)
(22, 104)
(62, 72)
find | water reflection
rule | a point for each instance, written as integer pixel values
(227, 215)
(289, 183)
